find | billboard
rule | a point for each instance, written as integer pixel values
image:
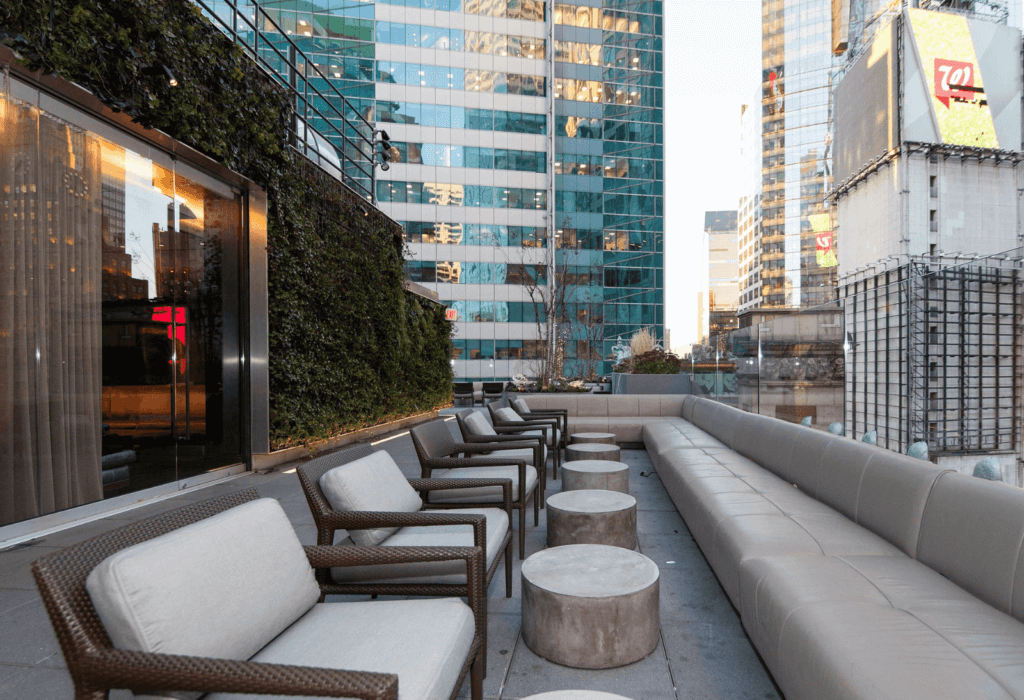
(866, 102)
(962, 81)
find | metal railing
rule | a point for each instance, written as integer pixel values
(346, 152)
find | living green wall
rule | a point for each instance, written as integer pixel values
(349, 347)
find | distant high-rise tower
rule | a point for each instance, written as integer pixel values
(722, 271)
(798, 68)
(749, 213)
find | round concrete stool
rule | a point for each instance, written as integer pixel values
(576, 695)
(592, 517)
(595, 474)
(590, 606)
(592, 450)
(601, 438)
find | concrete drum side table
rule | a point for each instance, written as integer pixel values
(576, 695)
(595, 474)
(592, 450)
(592, 517)
(590, 606)
(600, 438)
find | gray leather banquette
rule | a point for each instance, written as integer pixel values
(858, 572)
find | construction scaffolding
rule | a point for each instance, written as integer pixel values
(932, 350)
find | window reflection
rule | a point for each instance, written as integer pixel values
(128, 335)
(458, 195)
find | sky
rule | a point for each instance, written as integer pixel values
(712, 66)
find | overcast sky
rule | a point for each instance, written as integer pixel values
(712, 66)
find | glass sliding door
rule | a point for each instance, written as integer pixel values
(120, 316)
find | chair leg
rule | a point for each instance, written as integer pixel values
(508, 570)
(82, 694)
(522, 531)
(536, 509)
(476, 677)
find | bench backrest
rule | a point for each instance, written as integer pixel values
(616, 406)
(883, 491)
(972, 533)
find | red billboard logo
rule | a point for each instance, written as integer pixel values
(826, 253)
(955, 79)
(451, 314)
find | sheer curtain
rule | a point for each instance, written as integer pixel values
(50, 313)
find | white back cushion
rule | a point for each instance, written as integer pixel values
(507, 414)
(372, 483)
(478, 425)
(222, 587)
(521, 406)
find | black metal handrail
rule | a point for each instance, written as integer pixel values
(301, 138)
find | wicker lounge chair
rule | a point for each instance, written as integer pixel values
(493, 390)
(520, 407)
(462, 392)
(244, 616)
(329, 521)
(438, 452)
(507, 421)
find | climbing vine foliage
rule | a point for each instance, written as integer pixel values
(349, 347)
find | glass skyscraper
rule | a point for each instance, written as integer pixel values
(530, 176)
(797, 76)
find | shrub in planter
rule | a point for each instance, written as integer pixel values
(655, 361)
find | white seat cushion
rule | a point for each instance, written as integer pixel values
(453, 572)
(373, 483)
(179, 593)
(484, 494)
(526, 454)
(425, 642)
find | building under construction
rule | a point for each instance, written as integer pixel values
(933, 354)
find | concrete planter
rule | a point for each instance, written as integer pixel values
(651, 384)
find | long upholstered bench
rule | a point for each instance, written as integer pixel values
(857, 572)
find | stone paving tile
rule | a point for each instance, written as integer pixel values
(26, 637)
(11, 598)
(37, 683)
(647, 679)
(14, 565)
(502, 637)
(709, 666)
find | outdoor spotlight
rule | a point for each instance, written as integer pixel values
(384, 166)
(170, 77)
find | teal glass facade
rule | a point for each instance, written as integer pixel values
(530, 157)
(609, 171)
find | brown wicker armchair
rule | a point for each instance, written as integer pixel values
(329, 521)
(437, 450)
(476, 430)
(522, 408)
(96, 666)
(548, 427)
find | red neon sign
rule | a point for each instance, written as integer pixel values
(451, 314)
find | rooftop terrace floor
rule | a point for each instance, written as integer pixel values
(703, 653)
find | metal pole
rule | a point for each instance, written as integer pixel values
(552, 324)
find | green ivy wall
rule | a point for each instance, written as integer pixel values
(349, 347)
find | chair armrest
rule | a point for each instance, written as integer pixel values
(461, 462)
(144, 672)
(475, 439)
(427, 485)
(368, 520)
(504, 442)
(329, 556)
(559, 413)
